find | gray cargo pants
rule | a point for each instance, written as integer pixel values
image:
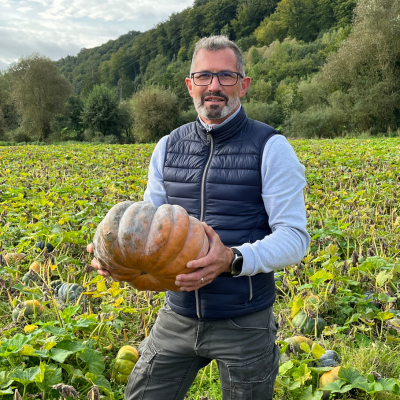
(178, 347)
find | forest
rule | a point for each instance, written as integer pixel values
(319, 69)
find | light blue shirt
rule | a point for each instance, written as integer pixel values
(283, 181)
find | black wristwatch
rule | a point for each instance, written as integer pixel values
(237, 262)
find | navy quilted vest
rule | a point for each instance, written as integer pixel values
(216, 177)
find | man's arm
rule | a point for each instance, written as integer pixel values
(283, 182)
(282, 193)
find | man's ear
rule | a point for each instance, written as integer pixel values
(189, 85)
(244, 85)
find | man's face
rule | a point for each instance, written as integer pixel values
(215, 102)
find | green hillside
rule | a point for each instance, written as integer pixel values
(161, 55)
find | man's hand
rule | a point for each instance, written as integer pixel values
(217, 260)
(95, 264)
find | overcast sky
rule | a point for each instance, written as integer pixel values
(57, 28)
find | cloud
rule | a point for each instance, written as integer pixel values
(24, 9)
(57, 28)
(117, 10)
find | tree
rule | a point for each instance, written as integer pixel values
(343, 10)
(299, 16)
(366, 68)
(101, 113)
(271, 28)
(7, 105)
(39, 92)
(155, 112)
(250, 14)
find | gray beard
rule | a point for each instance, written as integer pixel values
(215, 112)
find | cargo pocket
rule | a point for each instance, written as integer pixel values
(140, 375)
(254, 379)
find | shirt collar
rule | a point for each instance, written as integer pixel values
(216, 126)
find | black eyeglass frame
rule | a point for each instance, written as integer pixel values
(238, 75)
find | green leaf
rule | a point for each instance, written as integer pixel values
(54, 330)
(385, 298)
(40, 377)
(4, 379)
(362, 340)
(295, 385)
(385, 315)
(25, 376)
(69, 312)
(305, 347)
(7, 391)
(68, 368)
(285, 367)
(351, 375)
(366, 386)
(383, 277)
(305, 286)
(41, 353)
(83, 323)
(308, 395)
(302, 374)
(337, 387)
(13, 345)
(59, 355)
(50, 375)
(317, 350)
(321, 276)
(388, 384)
(94, 360)
(70, 345)
(296, 304)
(27, 350)
(283, 348)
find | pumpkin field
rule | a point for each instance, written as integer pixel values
(62, 325)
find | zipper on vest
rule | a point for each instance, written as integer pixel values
(251, 288)
(209, 139)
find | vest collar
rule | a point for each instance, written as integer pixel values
(224, 132)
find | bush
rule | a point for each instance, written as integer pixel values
(19, 135)
(111, 139)
(312, 94)
(188, 116)
(101, 112)
(270, 114)
(155, 112)
(326, 122)
(2, 126)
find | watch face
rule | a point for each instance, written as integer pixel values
(237, 265)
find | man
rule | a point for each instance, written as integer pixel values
(246, 184)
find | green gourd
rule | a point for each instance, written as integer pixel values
(29, 307)
(307, 325)
(329, 359)
(69, 292)
(126, 359)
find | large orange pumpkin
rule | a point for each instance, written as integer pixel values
(148, 246)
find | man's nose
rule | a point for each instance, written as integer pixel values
(214, 85)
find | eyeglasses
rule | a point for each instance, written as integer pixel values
(225, 78)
